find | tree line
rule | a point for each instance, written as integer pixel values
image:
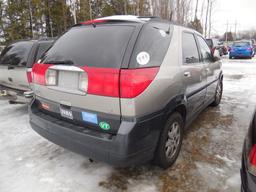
(23, 19)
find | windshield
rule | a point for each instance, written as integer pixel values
(101, 46)
(241, 44)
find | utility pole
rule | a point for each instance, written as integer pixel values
(227, 33)
(235, 29)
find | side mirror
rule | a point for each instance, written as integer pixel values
(216, 55)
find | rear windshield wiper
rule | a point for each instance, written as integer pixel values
(64, 62)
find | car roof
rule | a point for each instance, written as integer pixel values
(136, 19)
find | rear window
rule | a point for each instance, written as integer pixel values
(16, 54)
(152, 45)
(102, 46)
(241, 44)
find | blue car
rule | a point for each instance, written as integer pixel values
(241, 50)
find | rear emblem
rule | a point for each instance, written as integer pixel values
(105, 126)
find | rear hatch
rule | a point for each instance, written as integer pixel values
(77, 80)
(242, 47)
(13, 61)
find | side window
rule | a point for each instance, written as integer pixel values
(204, 50)
(189, 49)
(16, 54)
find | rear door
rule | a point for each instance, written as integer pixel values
(14, 62)
(194, 74)
(212, 68)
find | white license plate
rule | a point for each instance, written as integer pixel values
(66, 113)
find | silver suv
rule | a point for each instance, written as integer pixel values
(122, 89)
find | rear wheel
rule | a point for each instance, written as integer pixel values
(218, 94)
(170, 141)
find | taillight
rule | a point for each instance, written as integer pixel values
(249, 49)
(134, 81)
(51, 77)
(252, 161)
(103, 81)
(29, 75)
(124, 83)
(38, 73)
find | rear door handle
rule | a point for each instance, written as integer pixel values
(10, 68)
(187, 74)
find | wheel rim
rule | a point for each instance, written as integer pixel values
(173, 140)
(219, 92)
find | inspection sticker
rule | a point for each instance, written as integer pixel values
(143, 58)
(90, 117)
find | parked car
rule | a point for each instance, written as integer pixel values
(241, 49)
(122, 89)
(215, 44)
(248, 170)
(16, 62)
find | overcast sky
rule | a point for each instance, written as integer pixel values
(241, 11)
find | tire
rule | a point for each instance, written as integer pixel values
(169, 145)
(218, 94)
(230, 57)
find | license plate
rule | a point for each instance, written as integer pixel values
(66, 113)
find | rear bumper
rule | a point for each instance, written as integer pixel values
(134, 143)
(241, 54)
(13, 95)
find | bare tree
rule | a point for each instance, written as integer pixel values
(196, 10)
(210, 19)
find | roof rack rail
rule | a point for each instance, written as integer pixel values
(45, 38)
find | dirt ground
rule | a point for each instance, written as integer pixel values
(209, 160)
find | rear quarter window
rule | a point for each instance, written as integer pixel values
(16, 54)
(152, 45)
(102, 46)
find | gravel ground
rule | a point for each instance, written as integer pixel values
(209, 161)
